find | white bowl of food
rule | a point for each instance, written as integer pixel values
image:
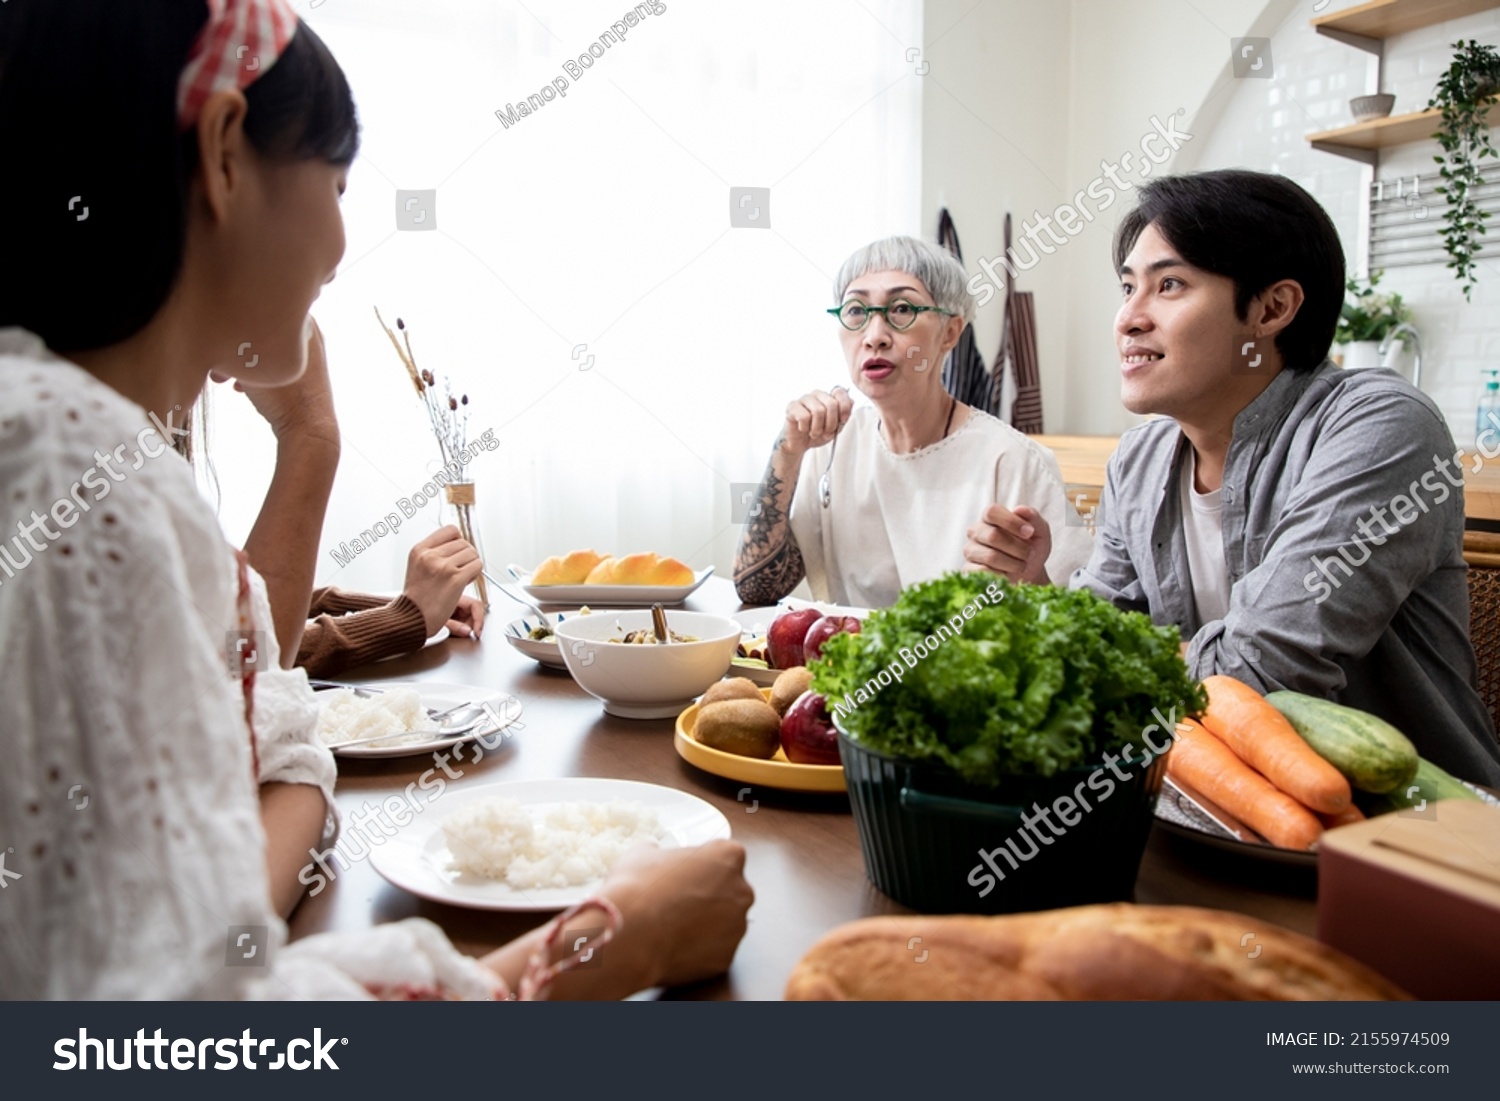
(646, 680)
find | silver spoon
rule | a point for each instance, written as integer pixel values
(659, 622)
(825, 483)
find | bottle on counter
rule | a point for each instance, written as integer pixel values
(1487, 418)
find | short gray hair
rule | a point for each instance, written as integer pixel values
(942, 274)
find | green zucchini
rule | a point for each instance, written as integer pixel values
(1428, 786)
(1371, 753)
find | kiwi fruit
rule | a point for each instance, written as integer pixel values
(788, 687)
(736, 688)
(746, 728)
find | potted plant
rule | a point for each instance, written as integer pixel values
(1465, 94)
(1002, 744)
(1368, 318)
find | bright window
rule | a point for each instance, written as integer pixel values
(602, 219)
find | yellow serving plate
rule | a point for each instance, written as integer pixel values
(776, 772)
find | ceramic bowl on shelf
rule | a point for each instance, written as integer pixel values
(1372, 107)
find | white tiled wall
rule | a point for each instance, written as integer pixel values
(1264, 126)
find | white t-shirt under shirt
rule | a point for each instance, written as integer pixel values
(894, 520)
(1203, 530)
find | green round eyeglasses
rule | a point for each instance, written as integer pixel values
(899, 315)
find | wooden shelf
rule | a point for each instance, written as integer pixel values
(1362, 140)
(1383, 19)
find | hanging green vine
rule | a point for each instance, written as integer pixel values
(1464, 93)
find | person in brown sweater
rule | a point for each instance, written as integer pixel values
(346, 629)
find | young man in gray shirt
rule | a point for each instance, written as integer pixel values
(1302, 525)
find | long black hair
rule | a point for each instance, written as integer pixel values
(97, 176)
(1257, 229)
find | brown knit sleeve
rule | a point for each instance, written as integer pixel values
(332, 601)
(332, 644)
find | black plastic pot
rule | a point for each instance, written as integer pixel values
(925, 834)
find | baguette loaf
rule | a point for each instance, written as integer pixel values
(1114, 952)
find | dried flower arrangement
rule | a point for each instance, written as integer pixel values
(449, 417)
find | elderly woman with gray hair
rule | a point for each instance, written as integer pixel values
(866, 500)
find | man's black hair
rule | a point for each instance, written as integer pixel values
(1257, 229)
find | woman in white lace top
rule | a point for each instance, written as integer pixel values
(158, 785)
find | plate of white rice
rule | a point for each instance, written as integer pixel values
(399, 707)
(537, 844)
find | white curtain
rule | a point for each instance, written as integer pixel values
(603, 219)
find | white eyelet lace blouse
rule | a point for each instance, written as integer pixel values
(129, 817)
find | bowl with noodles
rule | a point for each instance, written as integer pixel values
(614, 656)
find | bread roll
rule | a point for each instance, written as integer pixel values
(791, 684)
(640, 569)
(1113, 952)
(635, 569)
(580, 563)
(550, 572)
(570, 570)
(746, 728)
(735, 688)
(669, 571)
(603, 573)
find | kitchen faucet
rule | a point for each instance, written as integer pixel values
(1391, 337)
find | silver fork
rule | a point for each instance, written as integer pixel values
(521, 600)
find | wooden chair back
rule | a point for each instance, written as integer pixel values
(1482, 552)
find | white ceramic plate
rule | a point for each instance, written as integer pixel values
(594, 595)
(505, 709)
(542, 652)
(762, 678)
(417, 859)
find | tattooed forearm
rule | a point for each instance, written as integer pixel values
(773, 577)
(768, 564)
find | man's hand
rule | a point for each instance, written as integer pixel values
(1013, 543)
(467, 620)
(438, 569)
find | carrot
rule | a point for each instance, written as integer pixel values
(1346, 817)
(1261, 737)
(1207, 764)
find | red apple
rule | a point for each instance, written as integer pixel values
(784, 639)
(823, 630)
(807, 733)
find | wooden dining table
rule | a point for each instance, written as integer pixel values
(803, 855)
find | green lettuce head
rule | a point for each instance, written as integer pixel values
(995, 679)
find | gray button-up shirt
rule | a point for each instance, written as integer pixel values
(1343, 535)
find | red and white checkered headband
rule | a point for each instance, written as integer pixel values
(242, 39)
